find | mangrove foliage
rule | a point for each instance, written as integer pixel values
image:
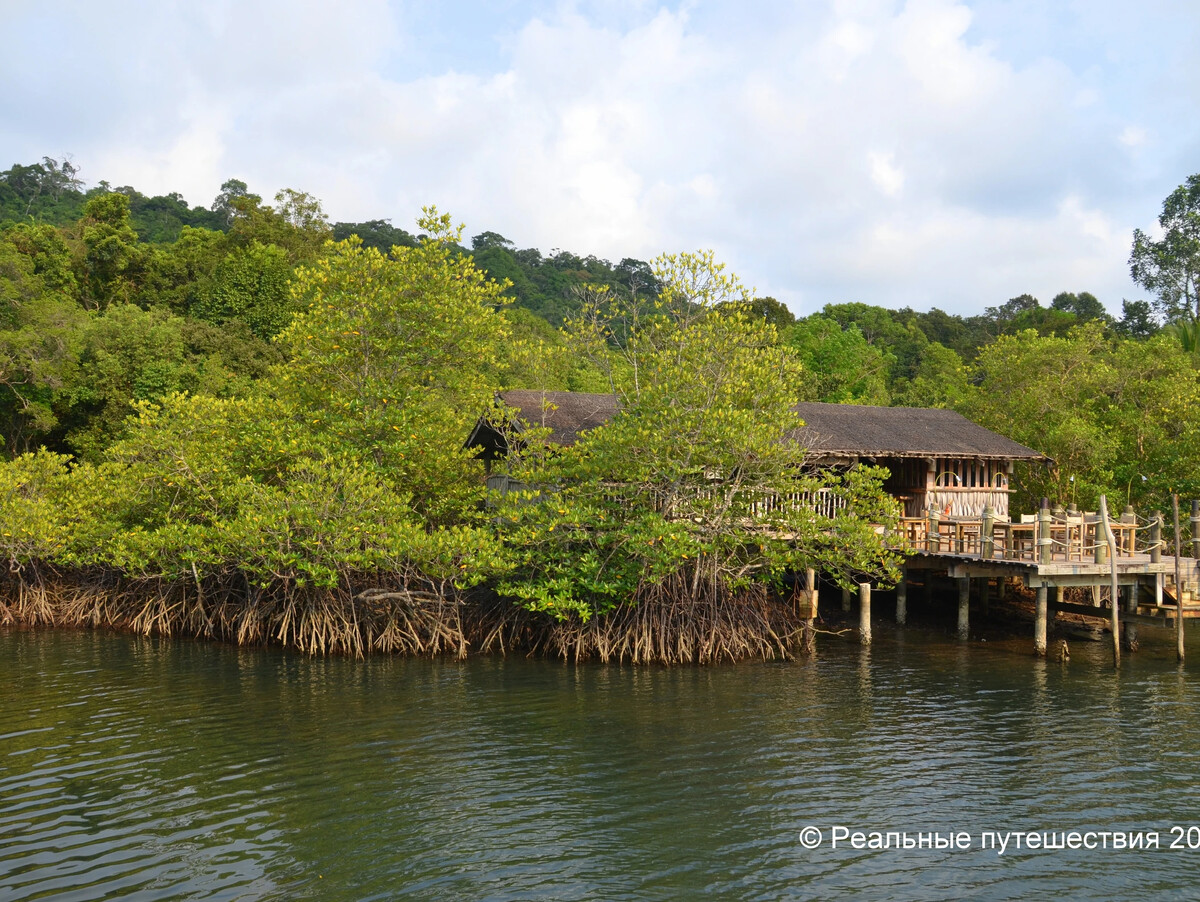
(246, 422)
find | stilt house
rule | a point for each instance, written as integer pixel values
(938, 459)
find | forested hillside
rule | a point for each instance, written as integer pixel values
(245, 405)
(111, 297)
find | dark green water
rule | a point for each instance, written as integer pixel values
(142, 769)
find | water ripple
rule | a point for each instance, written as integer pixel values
(144, 769)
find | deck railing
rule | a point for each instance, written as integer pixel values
(825, 502)
(758, 506)
(1045, 537)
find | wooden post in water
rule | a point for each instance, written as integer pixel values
(902, 597)
(1045, 543)
(964, 608)
(1195, 518)
(1128, 626)
(1129, 518)
(810, 632)
(987, 534)
(864, 613)
(1073, 514)
(1178, 578)
(1111, 544)
(1039, 623)
(845, 601)
(985, 591)
(1156, 527)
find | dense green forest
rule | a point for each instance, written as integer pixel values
(245, 420)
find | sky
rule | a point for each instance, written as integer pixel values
(923, 153)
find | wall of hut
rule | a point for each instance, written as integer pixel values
(957, 488)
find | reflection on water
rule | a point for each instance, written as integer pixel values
(148, 769)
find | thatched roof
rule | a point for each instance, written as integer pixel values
(830, 430)
(854, 430)
(565, 413)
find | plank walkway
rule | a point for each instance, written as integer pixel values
(1055, 551)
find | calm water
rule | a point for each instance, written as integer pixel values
(143, 769)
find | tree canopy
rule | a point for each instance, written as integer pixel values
(246, 401)
(1170, 266)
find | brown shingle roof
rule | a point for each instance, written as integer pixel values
(836, 430)
(858, 430)
(566, 413)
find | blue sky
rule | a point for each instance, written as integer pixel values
(928, 152)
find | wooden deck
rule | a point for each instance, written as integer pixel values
(1053, 552)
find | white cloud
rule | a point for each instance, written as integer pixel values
(1132, 136)
(886, 175)
(922, 152)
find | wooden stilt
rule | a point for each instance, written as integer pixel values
(1045, 541)
(1039, 623)
(1110, 544)
(1195, 530)
(809, 638)
(845, 601)
(987, 541)
(864, 613)
(985, 591)
(1178, 571)
(1128, 627)
(964, 608)
(902, 597)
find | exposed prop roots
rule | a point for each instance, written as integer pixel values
(348, 619)
(669, 624)
(665, 628)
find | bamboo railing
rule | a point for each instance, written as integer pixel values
(1059, 536)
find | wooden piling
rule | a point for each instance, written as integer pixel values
(985, 591)
(1129, 518)
(964, 608)
(933, 539)
(1128, 627)
(1039, 623)
(1156, 543)
(1110, 543)
(845, 601)
(1179, 570)
(864, 613)
(810, 628)
(1045, 542)
(1195, 518)
(987, 534)
(902, 597)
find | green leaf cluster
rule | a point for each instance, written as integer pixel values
(1118, 416)
(694, 487)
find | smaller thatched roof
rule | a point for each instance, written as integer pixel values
(566, 414)
(855, 430)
